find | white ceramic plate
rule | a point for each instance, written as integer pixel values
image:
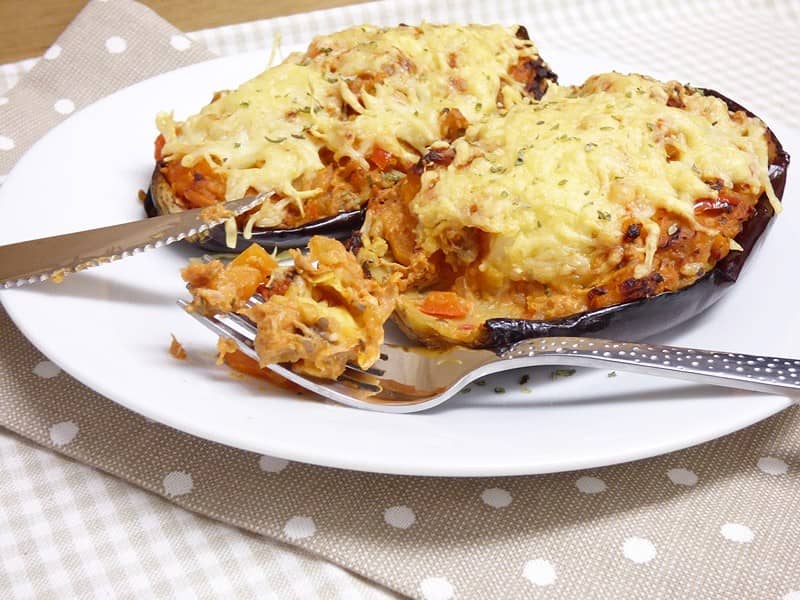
(110, 327)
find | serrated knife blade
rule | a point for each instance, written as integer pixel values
(53, 257)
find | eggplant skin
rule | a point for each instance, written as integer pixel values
(160, 200)
(541, 73)
(639, 319)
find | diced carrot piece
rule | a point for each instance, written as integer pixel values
(246, 280)
(249, 270)
(255, 256)
(199, 185)
(445, 304)
(160, 141)
(176, 349)
(239, 361)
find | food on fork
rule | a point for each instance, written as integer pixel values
(344, 122)
(623, 205)
(318, 314)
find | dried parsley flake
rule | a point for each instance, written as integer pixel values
(559, 373)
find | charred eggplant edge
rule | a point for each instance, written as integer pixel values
(638, 319)
(339, 226)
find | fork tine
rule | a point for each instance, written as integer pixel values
(352, 367)
(255, 299)
(351, 379)
(240, 322)
(218, 325)
(352, 392)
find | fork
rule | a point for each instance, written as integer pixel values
(412, 379)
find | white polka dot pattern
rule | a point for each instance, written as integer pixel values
(53, 52)
(3, 100)
(298, 528)
(64, 106)
(590, 485)
(736, 532)
(400, 517)
(180, 42)
(436, 588)
(772, 465)
(682, 477)
(94, 532)
(177, 483)
(46, 369)
(116, 45)
(496, 497)
(63, 433)
(6, 143)
(539, 572)
(639, 550)
(272, 464)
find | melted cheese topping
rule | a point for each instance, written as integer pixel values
(553, 182)
(352, 91)
(257, 135)
(422, 71)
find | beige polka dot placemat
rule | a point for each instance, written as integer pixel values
(717, 520)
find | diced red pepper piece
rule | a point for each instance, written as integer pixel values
(448, 305)
(380, 158)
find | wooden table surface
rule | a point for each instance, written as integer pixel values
(28, 27)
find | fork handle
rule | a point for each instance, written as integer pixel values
(744, 371)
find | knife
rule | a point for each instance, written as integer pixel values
(53, 257)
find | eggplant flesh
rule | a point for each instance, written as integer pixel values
(160, 200)
(645, 317)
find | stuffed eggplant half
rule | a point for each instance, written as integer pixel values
(344, 122)
(623, 202)
(624, 206)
